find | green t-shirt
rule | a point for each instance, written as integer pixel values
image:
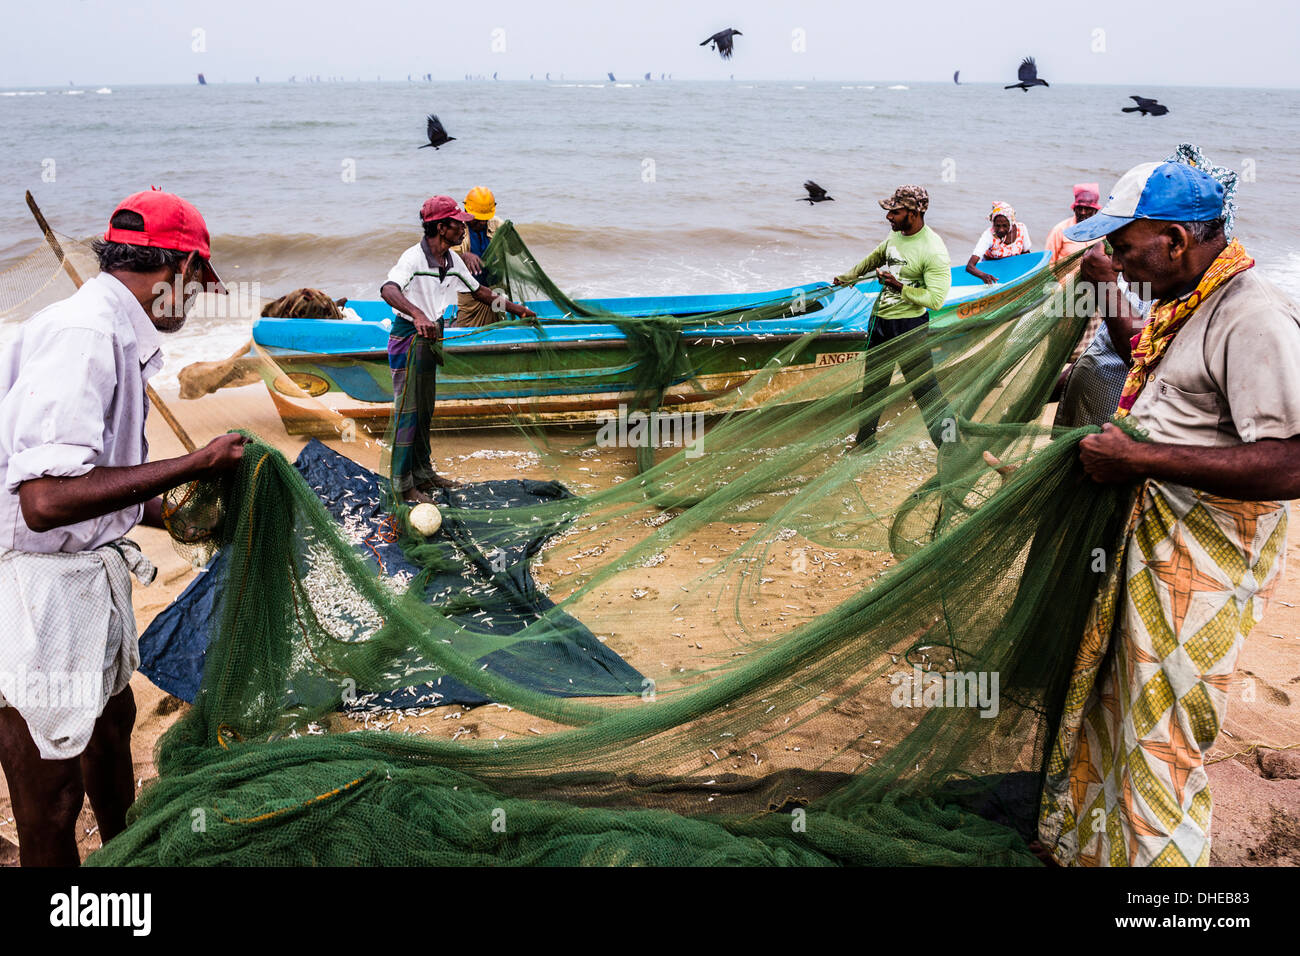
(920, 262)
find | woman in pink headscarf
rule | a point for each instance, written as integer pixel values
(1004, 237)
(1087, 200)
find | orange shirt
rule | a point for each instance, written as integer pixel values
(1058, 245)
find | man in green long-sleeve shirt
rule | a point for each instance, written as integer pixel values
(915, 273)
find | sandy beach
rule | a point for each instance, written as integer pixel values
(1256, 783)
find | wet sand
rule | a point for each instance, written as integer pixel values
(1256, 789)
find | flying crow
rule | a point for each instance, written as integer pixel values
(437, 135)
(1145, 106)
(1028, 74)
(815, 194)
(722, 41)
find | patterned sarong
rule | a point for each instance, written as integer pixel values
(411, 359)
(1126, 782)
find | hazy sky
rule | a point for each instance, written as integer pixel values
(1192, 42)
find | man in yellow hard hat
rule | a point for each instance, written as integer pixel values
(482, 205)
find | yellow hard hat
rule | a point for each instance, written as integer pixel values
(481, 203)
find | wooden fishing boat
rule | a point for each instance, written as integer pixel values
(572, 372)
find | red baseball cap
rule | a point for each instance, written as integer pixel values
(169, 223)
(442, 207)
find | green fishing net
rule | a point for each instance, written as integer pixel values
(851, 655)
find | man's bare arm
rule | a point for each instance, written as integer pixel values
(53, 502)
(392, 293)
(487, 297)
(1264, 470)
(152, 517)
(1122, 320)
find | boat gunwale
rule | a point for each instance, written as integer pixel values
(775, 338)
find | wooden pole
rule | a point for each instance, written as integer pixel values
(154, 397)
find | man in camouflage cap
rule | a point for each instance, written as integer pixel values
(914, 198)
(914, 273)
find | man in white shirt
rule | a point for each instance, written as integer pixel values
(422, 288)
(73, 454)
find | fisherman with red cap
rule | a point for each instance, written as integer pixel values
(76, 481)
(422, 288)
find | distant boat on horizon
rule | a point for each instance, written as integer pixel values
(202, 81)
(611, 77)
(954, 77)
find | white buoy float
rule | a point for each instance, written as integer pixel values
(426, 519)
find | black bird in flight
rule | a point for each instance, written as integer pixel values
(437, 135)
(1028, 74)
(815, 194)
(722, 41)
(1146, 107)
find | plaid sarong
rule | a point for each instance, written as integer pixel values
(69, 642)
(411, 359)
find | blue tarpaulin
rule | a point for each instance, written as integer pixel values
(572, 663)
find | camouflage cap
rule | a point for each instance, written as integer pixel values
(908, 197)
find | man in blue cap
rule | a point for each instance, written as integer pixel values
(1212, 384)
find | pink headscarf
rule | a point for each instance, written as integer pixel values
(1087, 194)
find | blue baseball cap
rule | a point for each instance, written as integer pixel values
(1172, 192)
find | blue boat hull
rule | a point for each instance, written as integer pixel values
(339, 369)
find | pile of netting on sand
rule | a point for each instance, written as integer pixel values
(909, 604)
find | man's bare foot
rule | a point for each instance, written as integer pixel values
(438, 481)
(1043, 853)
(415, 496)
